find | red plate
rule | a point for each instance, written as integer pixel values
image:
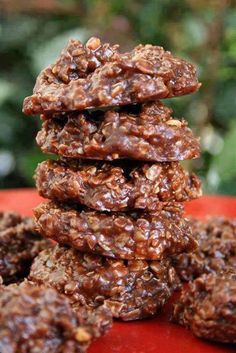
(148, 336)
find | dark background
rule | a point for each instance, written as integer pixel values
(33, 32)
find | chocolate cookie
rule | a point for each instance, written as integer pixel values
(98, 75)
(38, 319)
(146, 132)
(134, 235)
(19, 244)
(216, 251)
(131, 289)
(116, 187)
(208, 307)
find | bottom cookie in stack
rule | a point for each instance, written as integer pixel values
(131, 289)
(117, 259)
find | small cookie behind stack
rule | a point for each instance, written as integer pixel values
(20, 243)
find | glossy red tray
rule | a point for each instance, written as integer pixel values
(148, 336)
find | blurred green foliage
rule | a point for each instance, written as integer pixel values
(201, 31)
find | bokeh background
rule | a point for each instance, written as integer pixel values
(33, 32)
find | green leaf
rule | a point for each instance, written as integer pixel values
(225, 102)
(195, 32)
(6, 90)
(16, 29)
(225, 162)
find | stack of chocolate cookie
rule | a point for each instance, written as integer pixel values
(116, 190)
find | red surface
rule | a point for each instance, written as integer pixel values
(148, 336)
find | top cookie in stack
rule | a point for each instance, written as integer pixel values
(98, 105)
(98, 75)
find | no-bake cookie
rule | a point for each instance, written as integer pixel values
(98, 75)
(146, 132)
(38, 319)
(216, 237)
(116, 187)
(19, 244)
(133, 235)
(131, 289)
(208, 307)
